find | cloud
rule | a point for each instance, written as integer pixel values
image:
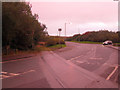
(90, 15)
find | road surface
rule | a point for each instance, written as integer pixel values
(75, 66)
(23, 73)
(95, 58)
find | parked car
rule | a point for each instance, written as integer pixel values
(108, 42)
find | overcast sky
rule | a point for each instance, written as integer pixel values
(84, 16)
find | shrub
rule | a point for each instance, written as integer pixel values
(54, 41)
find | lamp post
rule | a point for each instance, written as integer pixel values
(59, 33)
(66, 27)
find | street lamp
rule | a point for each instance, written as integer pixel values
(65, 27)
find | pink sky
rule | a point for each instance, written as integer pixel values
(84, 16)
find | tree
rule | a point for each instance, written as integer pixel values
(21, 29)
(98, 36)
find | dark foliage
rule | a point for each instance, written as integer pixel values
(21, 29)
(97, 36)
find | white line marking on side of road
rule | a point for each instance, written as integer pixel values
(12, 60)
(112, 73)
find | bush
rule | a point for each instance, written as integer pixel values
(50, 42)
(54, 41)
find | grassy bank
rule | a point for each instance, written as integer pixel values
(116, 44)
(36, 50)
(26, 52)
(87, 42)
(58, 46)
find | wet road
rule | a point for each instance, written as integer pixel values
(96, 58)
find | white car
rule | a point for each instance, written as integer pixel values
(108, 42)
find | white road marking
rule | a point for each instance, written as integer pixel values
(76, 57)
(96, 58)
(27, 72)
(112, 73)
(83, 62)
(13, 74)
(3, 72)
(80, 61)
(93, 50)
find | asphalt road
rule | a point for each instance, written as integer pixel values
(96, 58)
(34, 72)
(24, 73)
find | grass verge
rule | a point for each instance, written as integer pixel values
(26, 52)
(58, 46)
(87, 42)
(36, 50)
(116, 44)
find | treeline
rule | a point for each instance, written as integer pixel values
(20, 28)
(97, 36)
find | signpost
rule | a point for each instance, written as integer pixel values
(59, 33)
